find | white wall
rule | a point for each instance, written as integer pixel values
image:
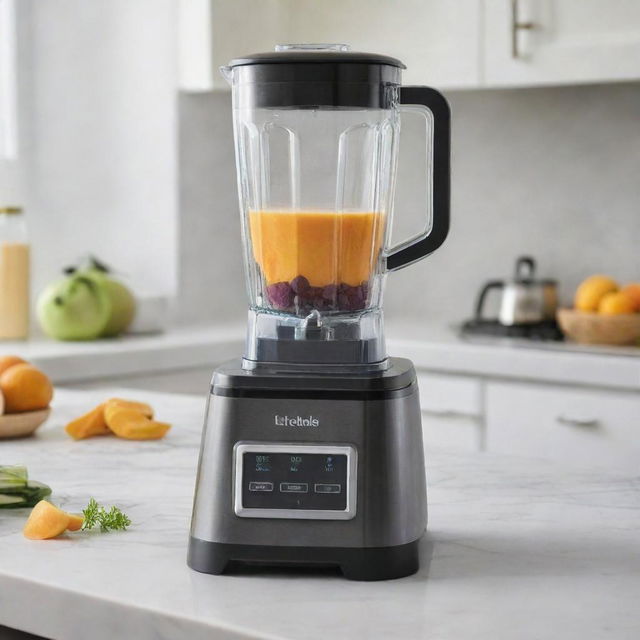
(98, 111)
(552, 172)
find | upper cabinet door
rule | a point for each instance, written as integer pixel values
(438, 40)
(537, 42)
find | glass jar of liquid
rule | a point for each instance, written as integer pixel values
(14, 274)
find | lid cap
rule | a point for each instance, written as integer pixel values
(317, 53)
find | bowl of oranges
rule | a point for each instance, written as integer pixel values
(25, 394)
(603, 313)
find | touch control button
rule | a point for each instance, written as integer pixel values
(328, 488)
(261, 486)
(294, 487)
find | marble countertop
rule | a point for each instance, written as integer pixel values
(515, 548)
(439, 348)
(431, 347)
(178, 348)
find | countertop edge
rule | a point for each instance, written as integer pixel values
(105, 617)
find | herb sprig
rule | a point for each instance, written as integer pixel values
(111, 520)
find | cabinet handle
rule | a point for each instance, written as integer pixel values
(447, 413)
(517, 26)
(577, 422)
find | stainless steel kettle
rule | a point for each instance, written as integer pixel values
(525, 300)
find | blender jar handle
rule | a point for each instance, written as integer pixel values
(436, 107)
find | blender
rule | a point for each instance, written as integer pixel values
(312, 450)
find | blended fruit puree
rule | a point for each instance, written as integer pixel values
(323, 246)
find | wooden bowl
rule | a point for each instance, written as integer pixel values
(595, 328)
(19, 425)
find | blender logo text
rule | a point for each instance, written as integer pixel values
(296, 421)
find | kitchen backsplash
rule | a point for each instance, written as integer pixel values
(98, 136)
(554, 173)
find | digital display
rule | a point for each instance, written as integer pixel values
(314, 481)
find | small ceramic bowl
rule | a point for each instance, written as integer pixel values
(19, 425)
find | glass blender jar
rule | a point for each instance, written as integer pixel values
(316, 134)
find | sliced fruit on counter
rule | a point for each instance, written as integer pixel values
(132, 424)
(142, 407)
(17, 491)
(45, 521)
(93, 423)
(88, 425)
(128, 419)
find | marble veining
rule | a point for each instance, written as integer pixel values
(516, 548)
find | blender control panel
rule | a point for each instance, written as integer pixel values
(295, 481)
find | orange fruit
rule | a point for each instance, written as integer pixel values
(25, 388)
(633, 291)
(9, 361)
(616, 303)
(592, 290)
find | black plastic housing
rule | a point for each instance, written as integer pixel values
(305, 79)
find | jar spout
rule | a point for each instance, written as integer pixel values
(227, 74)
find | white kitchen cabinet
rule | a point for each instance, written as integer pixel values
(538, 42)
(461, 44)
(452, 414)
(583, 427)
(438, 40)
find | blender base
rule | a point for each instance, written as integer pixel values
(312, 469)
(381, 563)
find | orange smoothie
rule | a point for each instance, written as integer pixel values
(326, 247)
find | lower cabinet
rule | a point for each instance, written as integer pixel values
(583, 427)
(451, 411)
(575, 426)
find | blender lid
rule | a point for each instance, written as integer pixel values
(311, 76)
(316, 53)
